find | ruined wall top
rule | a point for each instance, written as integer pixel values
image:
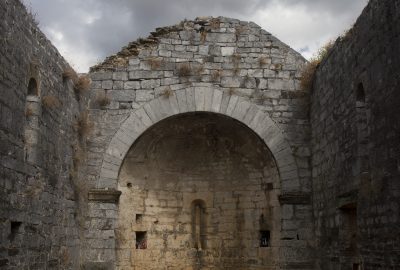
(217, 30)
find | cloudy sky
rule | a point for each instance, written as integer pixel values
(86, 31)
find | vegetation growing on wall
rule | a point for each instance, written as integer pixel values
(81, 83)
(103, 100)
(216, 75)
(83, 125)
(307, 75)
(262, 61)
(184, 70)
(155, 63)
(51, 102)
(167, 92)
(69, 74)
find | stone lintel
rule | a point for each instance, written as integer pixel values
(104, 195)
(97, 266)
(298, 265)
(347, 200)
(295, 198)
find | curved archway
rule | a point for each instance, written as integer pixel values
(206, 188)
(199, 224)
(33, 87)
(360, 95)
(32, 113)
(197, 99)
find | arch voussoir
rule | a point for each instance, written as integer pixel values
(199, 99)
(191, 104)
(181, 100)
(216, 101)
(241, 109)
(144, 117)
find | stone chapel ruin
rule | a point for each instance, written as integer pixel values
(197, 148)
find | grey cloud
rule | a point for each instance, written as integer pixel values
(122, 21)
(304, 49)
(333, 7)
(115, 23)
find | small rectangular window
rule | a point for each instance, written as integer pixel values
(141, 240)
(270, 186)
(349, 228)
(264, 238)
(14, 228)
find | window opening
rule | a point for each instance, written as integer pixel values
(360, 94)
(264, 238)
(32, 87)
(141, 240)
(32, 126)
(198, 224)
(14, 228)
(349, 229)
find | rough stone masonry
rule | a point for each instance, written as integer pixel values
(197, 148)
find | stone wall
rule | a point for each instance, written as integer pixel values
(225, 77)
(355, 117)
(38, 206)
(203, 158)
(217, 65)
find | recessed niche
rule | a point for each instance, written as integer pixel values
(264, 238)
(199, 224)
(14, 228)
(139, 218)
(360, 93)
(270, 186)
(141, 240)
(349, 229)
(32, 87)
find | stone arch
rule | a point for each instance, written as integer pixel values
(33, 87)
(360, 94)
(198, 224)
(204, 99)
(33, 111)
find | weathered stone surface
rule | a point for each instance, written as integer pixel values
(144, 74)
(246, 148)
(98, 266)
(230, 198)
(144, 95)
(231, 82)
(295, 198)
(120, 76)
(221, 37)
(212, 76)
(130, 85)
(39, 211)
(122, 95)
(107, 84)
(355, 114)
(147, 84)
(104, 195)
(227, 51)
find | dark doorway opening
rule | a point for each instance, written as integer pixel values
(264, 238)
